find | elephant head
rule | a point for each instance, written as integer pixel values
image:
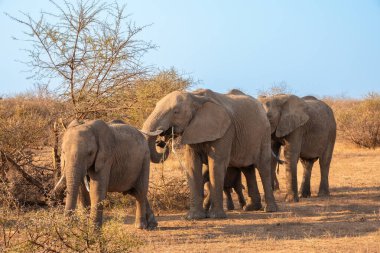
(86, 146)
(285, 113)
(197, 118)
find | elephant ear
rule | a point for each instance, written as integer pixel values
(209, 123)
(293, 115)
(106, 141)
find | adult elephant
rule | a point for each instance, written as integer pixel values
(306, 128)
(219, 130)
(115, 157)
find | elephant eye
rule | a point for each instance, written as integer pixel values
(176, 111)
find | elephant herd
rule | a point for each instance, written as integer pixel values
(223, 135)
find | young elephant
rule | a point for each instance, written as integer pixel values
(115, 157)
(231, 180)
(306, 128)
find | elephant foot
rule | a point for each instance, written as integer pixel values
(305, 194)
(196, 215)
(290, 197)
(141, 224)
(323, 193)
(230, 205)
(152, 223)
(253, 206)
(270, 208)
(217, 214)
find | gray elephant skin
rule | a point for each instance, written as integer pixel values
(232, 180)
(115, 157)
(219, 130)
(306, 128)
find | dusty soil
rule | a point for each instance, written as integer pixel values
(347, 221)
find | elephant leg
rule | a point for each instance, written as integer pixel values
(276, 150)
(98, 192)
(324, 163)
(230, 202)
(229, 183)
(266, 179)
(238, 187)
(143, 211)
(217, 170)
(206, 201)
(140, 219)
(254, 198)
(291, 152)
(195, 181)
(305, 185)
(152, 223)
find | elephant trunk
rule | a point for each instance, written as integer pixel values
(73, 180)
(152, 129)
(155, 156)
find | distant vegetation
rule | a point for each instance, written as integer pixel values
(97, 62)
(358, 120)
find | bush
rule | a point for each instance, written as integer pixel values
(359, 120)
(48, 231)
(26, 141)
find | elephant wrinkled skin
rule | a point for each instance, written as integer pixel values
(220, 130)
(115, 157)
(306, 128)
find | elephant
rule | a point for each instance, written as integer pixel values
(306, 128)
(220, 130)
(231, 180)
(115, 157)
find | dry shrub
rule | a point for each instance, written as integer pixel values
(25, 137)
(169, 193)
(48, 231)
(359, 120)
(166, 192)
(146, 92)
(168, 188)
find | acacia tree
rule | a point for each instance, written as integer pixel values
(90, 47)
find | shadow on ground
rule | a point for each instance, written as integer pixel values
(347, 212)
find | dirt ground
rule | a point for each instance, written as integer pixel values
(347, 221)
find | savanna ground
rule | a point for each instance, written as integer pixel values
(347, 221)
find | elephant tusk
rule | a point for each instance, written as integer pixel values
(59, 183)
(155, 133)
(277, 158)
(85, 179)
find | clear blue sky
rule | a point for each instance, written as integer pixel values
(318, 47)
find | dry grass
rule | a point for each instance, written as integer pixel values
(347, 221)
